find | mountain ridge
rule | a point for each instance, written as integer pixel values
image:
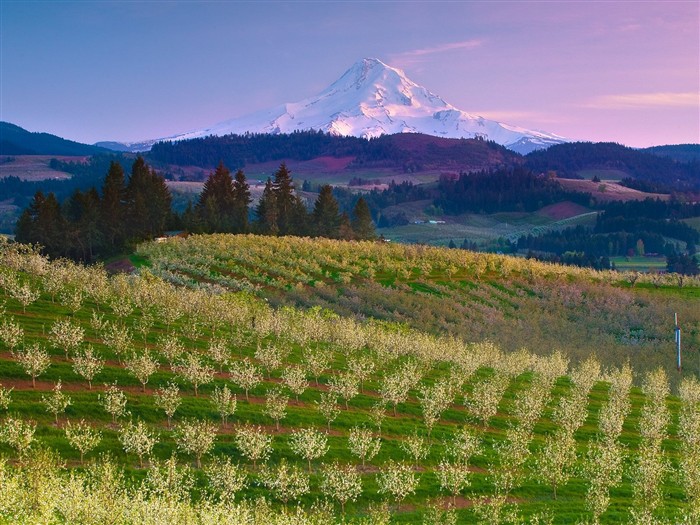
(369, 100)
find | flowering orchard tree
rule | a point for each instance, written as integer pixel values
(295, 379)
(341, 482)
(193, 370)
(246, 375)
(287, 482)
(253, 443)
(137, 438)
(66, 336)
(363, 444)
(168, 399)
(82, 437)
(225, 403)
(308, 443)
(18, 434)
(195, 437)
(114, 401)
(142, 366)
(5, 397)
(453, 477)
(57, 402)
(226, 478)
(397, 480)
(34, 360)
(328, 407)
(88, 364)
(276, 405)
(11, 334)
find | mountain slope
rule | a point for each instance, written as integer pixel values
(373, 99)
(15, 140)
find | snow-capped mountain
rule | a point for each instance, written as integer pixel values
(373, 99)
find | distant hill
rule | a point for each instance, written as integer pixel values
(678, 152)
(407, 152)
(15, 140)
(647, 171)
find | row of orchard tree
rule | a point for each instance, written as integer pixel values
(91, 225)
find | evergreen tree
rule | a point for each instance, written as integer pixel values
(266, 211)
(326, 215)
(286, 201)
(42, 223)
(84, 233)
(148, 202)
(113, 208)
(362, 223)
(241, 202)
(216, 202)
(345, 231)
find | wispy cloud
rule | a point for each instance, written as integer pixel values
(645, 100)
(419, 55)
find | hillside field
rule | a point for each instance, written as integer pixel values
(329, 418)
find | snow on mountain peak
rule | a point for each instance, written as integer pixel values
(372, 99)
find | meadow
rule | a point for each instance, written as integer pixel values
(191, 392)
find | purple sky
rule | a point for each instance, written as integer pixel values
(604, 71)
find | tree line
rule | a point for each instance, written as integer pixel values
(91, 225)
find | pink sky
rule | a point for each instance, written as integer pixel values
(604, 71)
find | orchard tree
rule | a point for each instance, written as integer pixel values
(171, 348)
(142, 366)
(114, 401)
(225, 403)
(5, 397)
(193, 370)
(246, 375)
(308, 443)
(18, 434)
(11, 334)
(295, 379)
(253, 443)
(34, 360)
(225, 478)
(57, 402)
(341, 482)
(88, 364)
(286, 482)
(195, 437)
(453, 477)
(168, 399)
(363, 444)
(397, 480)
(344, 385)
(328, 407)
(316, 361)
(276, 405)
(416, 447)
(82, 437)
(556, 459)
(137, 438)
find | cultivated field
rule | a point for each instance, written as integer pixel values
(188, 404)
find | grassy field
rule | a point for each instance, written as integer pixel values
(515, 405)
(482, 229)
(639, 263)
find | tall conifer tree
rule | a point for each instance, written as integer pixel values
(216, 202)
(362, 223)
(241, 202)
(326, 214)
(113, 208)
